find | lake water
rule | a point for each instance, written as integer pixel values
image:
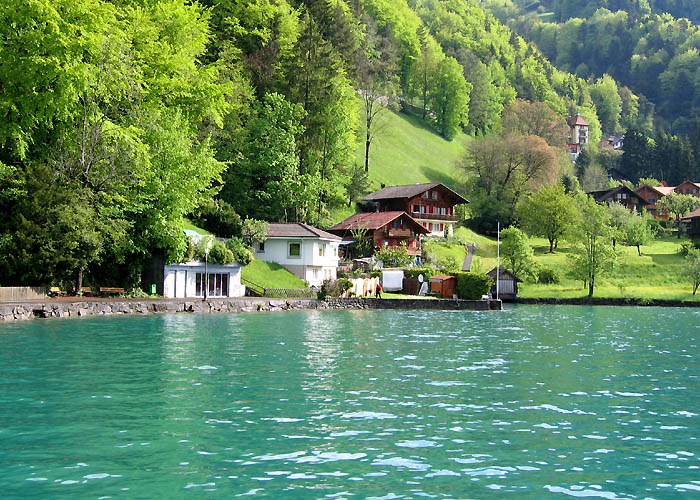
(533, 402)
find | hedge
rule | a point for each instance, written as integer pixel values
(472, 286)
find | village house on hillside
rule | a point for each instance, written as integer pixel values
(384, 229)
(692, 222)
(651, 195)
(688, 187)
(304, 250)
(578, 135)
(621, 194)
(431, 204)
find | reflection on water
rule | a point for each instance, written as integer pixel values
(534, 402)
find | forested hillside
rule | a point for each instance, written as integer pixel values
(121, 118)
(651, 47)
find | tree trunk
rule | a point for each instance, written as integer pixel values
(551, 245)
(639, 251)
(79, 281)
(590, 288)
(367, 144)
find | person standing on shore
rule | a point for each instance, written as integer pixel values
(378, 291)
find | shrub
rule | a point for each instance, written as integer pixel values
(218, 217)
(685, 248)
(427, 272)
(547, 275)
(334, 288)
(472, 286)
(241, 252)
(396, 256)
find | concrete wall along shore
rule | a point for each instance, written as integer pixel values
(70, 309)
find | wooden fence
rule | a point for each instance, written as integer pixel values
(15, 293)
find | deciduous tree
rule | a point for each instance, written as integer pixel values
(593, 255)
(549, 212)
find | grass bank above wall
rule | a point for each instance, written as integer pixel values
(271, 275)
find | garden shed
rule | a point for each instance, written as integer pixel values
(443, 286)
(507, 284)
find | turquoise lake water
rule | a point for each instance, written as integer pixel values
(532, 402)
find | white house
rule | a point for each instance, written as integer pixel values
(307, 252)
(190, 279)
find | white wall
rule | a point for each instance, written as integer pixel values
(180, 280)
(309, 266)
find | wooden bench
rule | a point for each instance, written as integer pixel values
(56, 291)
(86, 290)
(110, 290)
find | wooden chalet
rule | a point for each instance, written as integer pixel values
(692, 223)
(651, 195)
(431, 204)
(507, 284)
(688, 187)
(620, 194)
(386, 229)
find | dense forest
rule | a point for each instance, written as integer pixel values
(651, 47)
(122, 118)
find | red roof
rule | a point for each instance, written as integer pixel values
(373, 220)
(577, 120)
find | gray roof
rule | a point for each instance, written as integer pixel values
(407, 191)
(297, 230)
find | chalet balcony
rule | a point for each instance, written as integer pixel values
(399, 233)
(431, 217)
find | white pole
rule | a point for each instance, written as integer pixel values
(498, 259)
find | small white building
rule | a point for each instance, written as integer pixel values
(190, 279)
(309, 253)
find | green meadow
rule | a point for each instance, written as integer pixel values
(656, 274)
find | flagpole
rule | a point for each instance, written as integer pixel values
(498, 259)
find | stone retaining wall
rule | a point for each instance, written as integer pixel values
(601, 301)
(96, 307)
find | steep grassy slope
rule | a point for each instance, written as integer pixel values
(408, 151)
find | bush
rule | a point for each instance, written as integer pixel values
(547, 275)
(396, 256)
(427, 272)
(334, 288)
(218, 217)
(241, 252)
(472, 286)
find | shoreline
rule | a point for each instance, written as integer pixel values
(86, 307)
(602, 301)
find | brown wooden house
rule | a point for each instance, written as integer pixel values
(432, 204)
(651, 195)
(620, 194)
(385, 229)
(692, 223)
(688, 187)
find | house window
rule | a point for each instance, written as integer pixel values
(217, 283)
(426, 194)
(651, 201)
(416, 208)
(321, 249)
(435, 195)
(294, 250)
(315, 274)
(395, 224)
(261, 247)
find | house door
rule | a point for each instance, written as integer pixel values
(180, 284)
(169, 285)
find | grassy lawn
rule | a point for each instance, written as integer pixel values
(656, 274)
(271, 275)
(187, 224)
(409, 151)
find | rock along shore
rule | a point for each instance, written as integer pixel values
(67, 308)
